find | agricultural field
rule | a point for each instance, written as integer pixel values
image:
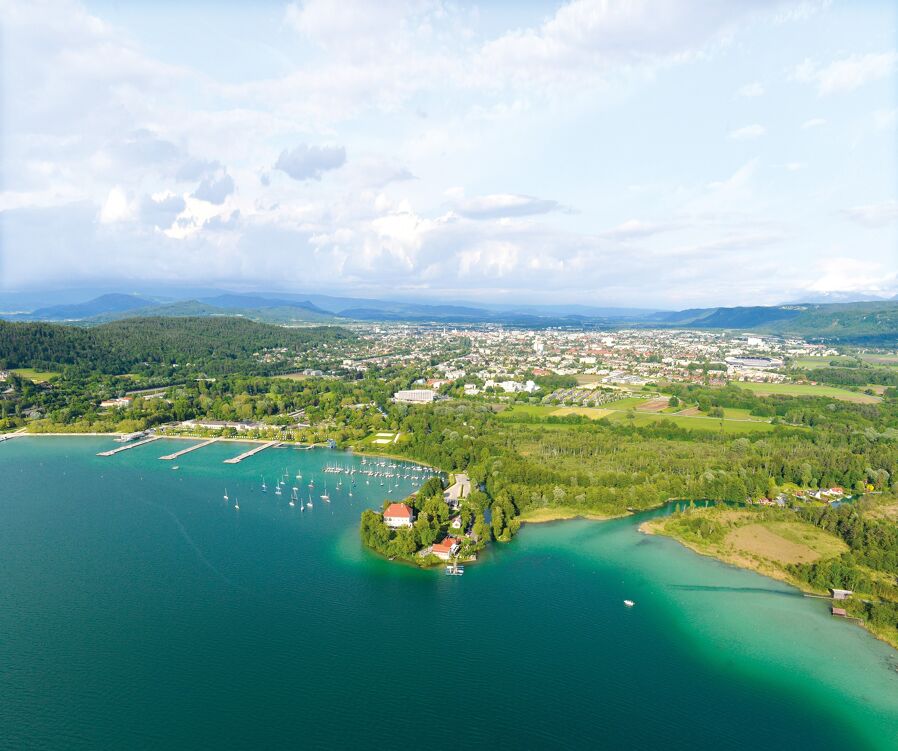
(712, 424)
(807, 389)
(785, 542)
(34, 375)
(595, 413)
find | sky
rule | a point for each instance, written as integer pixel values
(654, 154)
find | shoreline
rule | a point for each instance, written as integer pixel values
(549, 514)
(222, 439)
(648, 528)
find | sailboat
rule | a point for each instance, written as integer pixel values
(236, 505)
(226, 494)
(293, 498)
(309, 504)
(264, 486)
(324, 495)
(277, 490)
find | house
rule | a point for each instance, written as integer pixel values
(461, 488)
(841, 612)
(398, 515)
(841, 594)
(122, 401)
(445, 548)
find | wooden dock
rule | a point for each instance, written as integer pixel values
(133, 445)
(251, 452)
(194, 447)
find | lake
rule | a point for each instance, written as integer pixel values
(138, 609)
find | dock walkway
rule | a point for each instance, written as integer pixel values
(251, 452)
(194, 447)
(130, 446)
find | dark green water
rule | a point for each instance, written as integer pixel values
(138, 610)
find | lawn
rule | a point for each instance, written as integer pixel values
(807, 389)
(34, 375)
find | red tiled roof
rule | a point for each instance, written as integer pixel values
(444, 546)
(398, 509)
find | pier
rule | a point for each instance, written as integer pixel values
(251, 452)
(130, 446)
(194, 447)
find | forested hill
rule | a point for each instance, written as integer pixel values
(208, 345)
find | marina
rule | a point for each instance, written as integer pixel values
(131, 445)
(194, 447)
(252, 452)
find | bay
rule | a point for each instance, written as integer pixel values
(138, 609)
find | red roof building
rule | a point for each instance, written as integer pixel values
(445, 548)
(399, 515)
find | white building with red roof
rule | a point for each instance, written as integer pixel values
(399, 515)
(445, 548)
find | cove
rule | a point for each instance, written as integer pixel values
(140, 610)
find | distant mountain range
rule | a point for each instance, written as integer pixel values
(859, 322)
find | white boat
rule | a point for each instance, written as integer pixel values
(293, 498)
(226, 494)
(236, 505)
(264, 486)
(629, 603)
(324, 496)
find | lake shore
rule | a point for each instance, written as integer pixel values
(563, 513)
(658, 527)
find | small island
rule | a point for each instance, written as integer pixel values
(438, 524)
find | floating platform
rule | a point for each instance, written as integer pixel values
(194, 447)
(251, 452)
(127, 446)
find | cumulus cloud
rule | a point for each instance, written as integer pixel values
(161, 210)
(194, 169)
(116, 207)
(306, 162)
(215, 188)
(500, 205)
(874, 214)
(846, 74)
(748, 133)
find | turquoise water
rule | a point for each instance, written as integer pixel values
(139, 610)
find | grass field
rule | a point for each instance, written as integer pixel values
(873, 359)
(807, 389)
(620, 411)
(809, 363)
(34, 375)
(785, 542)
(712, 424)
(594, 412)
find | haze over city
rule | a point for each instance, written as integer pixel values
(634, 154)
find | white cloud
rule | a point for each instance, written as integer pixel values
(814, 122)
(846, 274)
(754, 89)
(795, 166)
(306, 162)
(846, 74)
(499, 205)
(747, 133)
(117, 207)
(874, 214)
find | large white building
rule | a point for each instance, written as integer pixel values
(414, 396)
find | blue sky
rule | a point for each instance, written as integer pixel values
(612, 153)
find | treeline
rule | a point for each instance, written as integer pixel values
(208, 345)
(854, 376)
(870, 566)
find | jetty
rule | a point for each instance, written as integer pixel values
(251, 452)
(194, 447)
(132, 445)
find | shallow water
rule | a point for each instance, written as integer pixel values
(138, 609)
